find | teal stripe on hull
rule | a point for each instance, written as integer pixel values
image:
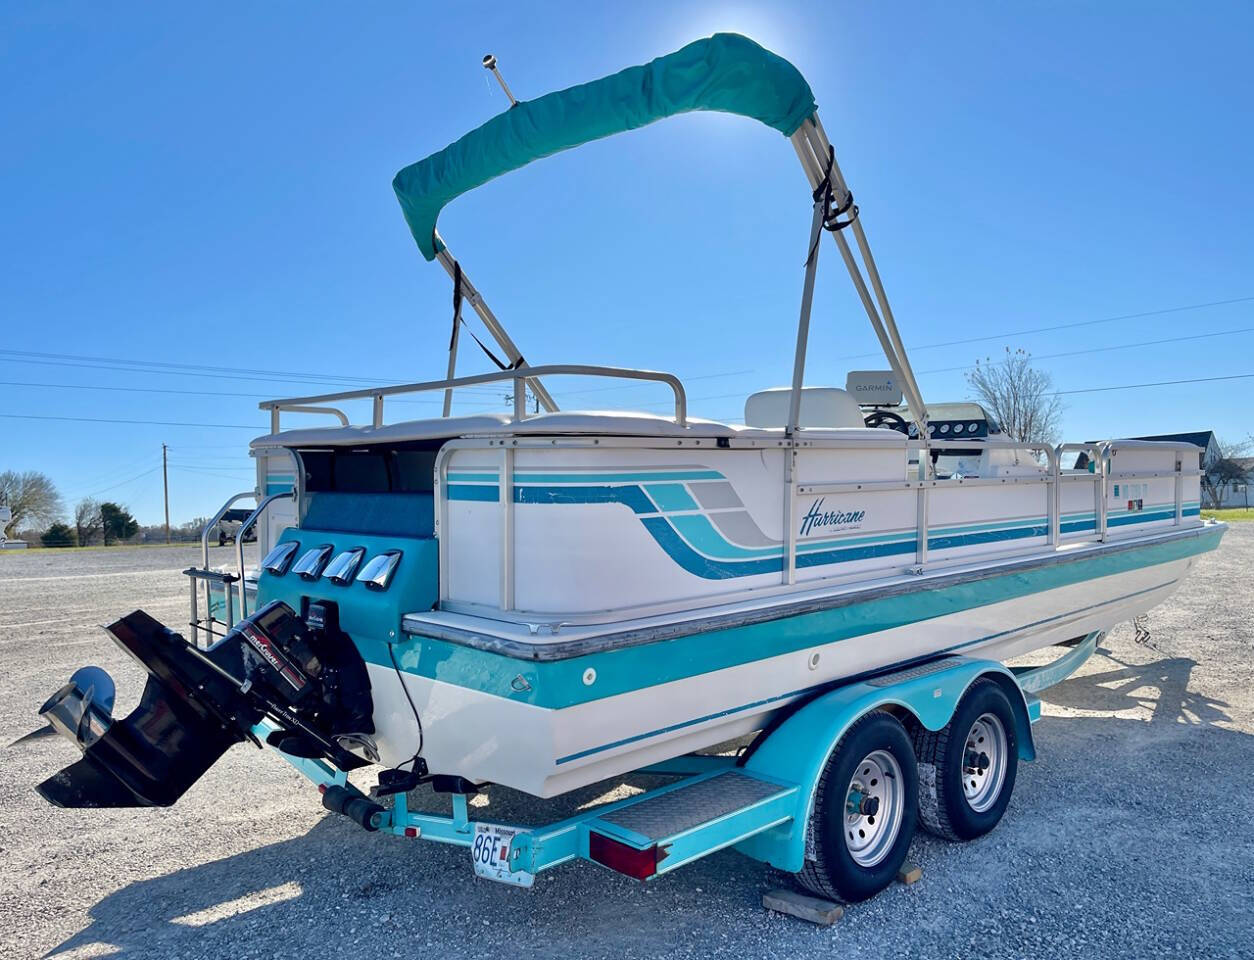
(768, 701)
(558, 684)
(695, 545)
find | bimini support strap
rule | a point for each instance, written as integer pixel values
(818, 158)
(803, 325)
(463, 289)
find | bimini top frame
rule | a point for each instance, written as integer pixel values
(725, 72)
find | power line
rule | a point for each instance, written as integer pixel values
(191, 393)
(88, 386)
(1125, 386)
(201, 370)
(220, 476)
(1117, 346)
(1159, 383)
(147, 423)
(109, 476)
(1047, 356)
(479, 396)
(1060, 326)
(162, 364)
(121, 483)
(237, 467)
(240, 468)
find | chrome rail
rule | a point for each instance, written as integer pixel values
(239, 545)
(208, 577)
(519, 376)
(303, 408)
(1097, 478)
(204, 561)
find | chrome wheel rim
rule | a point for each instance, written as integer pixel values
(985, 757)
(874, 803)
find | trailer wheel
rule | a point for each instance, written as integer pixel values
(864, 812)
(967, 770)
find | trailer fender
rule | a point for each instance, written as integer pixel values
(798, 750)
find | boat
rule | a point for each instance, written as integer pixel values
(546, 599)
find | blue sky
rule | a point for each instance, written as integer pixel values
(212, 187)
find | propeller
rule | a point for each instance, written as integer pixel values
(96, 688)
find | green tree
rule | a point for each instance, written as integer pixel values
(58, 535)
(117, 523)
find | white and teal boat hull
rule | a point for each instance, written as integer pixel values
(546, 718)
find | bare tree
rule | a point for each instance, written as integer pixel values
(31, 496)
(87, 522)
(1223, 469)
(1019, 397)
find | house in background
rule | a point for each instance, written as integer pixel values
(1225, 484)
(1205, 439)
(1222, 486)
(1236, 492)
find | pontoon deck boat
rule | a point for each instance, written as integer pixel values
(545, 600)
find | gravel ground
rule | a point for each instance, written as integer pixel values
(1130, 836)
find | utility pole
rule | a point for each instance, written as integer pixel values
(165, 484)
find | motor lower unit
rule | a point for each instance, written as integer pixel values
(301, 672)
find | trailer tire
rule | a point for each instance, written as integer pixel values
(961, 802)
(851, 857)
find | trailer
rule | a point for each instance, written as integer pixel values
(831, 792)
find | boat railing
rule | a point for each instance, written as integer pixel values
(202, 578)
(1032, 465)
(1095, 474)
(239, 542)
(519, 376)
(1181, 449)
(925, 485)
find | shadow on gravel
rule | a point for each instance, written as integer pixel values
(1104, 803)
(1162, 687)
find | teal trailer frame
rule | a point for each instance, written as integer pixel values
(759, 802)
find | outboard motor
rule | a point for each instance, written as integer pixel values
(302, 672)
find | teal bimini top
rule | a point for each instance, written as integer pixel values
(725, 72)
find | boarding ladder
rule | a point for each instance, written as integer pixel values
(202, 579)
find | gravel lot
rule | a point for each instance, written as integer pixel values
(1130, 836)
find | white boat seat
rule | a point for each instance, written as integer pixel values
(821, 407)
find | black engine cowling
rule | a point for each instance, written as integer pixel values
(302, 672)
(311, 666)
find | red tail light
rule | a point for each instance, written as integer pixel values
(640, 864)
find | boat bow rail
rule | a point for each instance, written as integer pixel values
(520, 378)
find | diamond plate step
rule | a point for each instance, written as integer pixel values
(661, 816)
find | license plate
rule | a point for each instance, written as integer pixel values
(490, 855)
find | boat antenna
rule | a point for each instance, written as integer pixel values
(489, 63)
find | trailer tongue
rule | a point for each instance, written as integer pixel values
(302, 672)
